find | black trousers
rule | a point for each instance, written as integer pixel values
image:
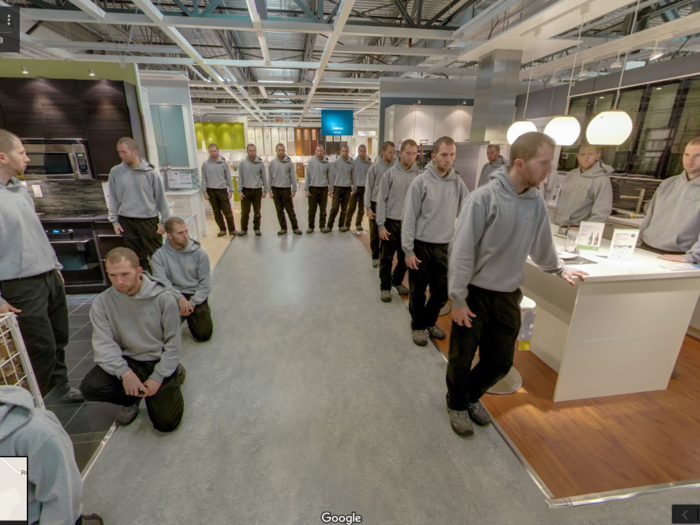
(282, 198)
(165, 408)
(432, 271)
(374, 233)
(494, 331)
(355, 198)
(43, 323)
(387, 279)
(318, 198)
(199, 322)
(221, 207)
(341, 200)
(251, 196)
(141, 235)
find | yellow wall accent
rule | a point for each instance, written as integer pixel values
(226, 135)
(12, 68)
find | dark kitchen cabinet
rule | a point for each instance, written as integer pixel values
(58, 100)
(20, 99)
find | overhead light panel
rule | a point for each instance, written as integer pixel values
(276, 81)
(617, 64)
(91, 72)
(25, 71)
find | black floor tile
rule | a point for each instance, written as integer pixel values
(65, 413)
(72, 362)
(83, 452)
(84, 334)
(79, 298)
(78, 349)
(81, 370)
(54, 397)
(78, 320)
(92, 417)
(80, 310)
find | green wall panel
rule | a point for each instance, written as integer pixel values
(226, 135)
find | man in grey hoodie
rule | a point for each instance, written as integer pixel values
(55, 489)
(359, 179)
(393, 189)
(217, 188)
(283, 183)
(136, 197)
(374, 178)
(316, 185)
(252, 186)
(433, 203)
(31, 285)
(586, 194)
(341, 183)
(183, 267)
(136, 343)
(499, 226)
(493, 154)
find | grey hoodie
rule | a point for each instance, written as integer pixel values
(55, 490)
(489, 168)
(282, 173)
(24, 249)
(136, 193)
(185, 271)
(673, 221)
(341, 173)
(431, 209)
(145, 327)
(585, 196)
(317, 173)
(496, 231)
(359, 176)
(251, 175)
(374, 178)
(393, 189)
(216, 175)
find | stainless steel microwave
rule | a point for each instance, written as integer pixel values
(57, 159)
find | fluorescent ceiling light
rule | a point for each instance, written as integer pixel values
(657, 55)
(276, 81)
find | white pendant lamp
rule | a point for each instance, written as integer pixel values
(518, 128)
(610, 128)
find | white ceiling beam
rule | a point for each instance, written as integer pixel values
(396, 51)
(86, 6)
(257, 25)
(112, 46)
(325, 84)
(344, 10)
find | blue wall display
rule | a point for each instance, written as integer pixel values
(336, 122)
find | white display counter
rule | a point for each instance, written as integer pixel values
(620, 331)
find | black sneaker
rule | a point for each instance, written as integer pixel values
(419, 337)
(344, 229)
(326, 230)
(385, 296)
(258, 233)
(459, 421)
(91, 519)
(375, 263)
(402, 290)
(70, 395)
(181, 374)
(126, 415)
(479, 414)
(221, 234)
(436, 333)
(281, 232)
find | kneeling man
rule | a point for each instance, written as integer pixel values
(183, 267)
(136, 343)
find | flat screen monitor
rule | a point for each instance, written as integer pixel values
(336, 122)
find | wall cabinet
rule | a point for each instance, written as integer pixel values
(427, 123)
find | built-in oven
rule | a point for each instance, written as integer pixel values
(57, 159)
(77, 251)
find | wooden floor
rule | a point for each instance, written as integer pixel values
(603, 444)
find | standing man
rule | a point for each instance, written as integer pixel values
(136, 197)
(341, 183)
(183, 267)
(586, 194)
(390, 202)
(316, 185)
(499, 226)
(252, 186)
(374, 178)
(30, 283)
(434, 201)
(283, 183)
(136, 343)
(493, 153)
(217, 188)
(362, 165)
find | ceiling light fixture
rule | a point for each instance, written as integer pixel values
(276, 81)
(25, 71)
(617, 64)
(91, 72)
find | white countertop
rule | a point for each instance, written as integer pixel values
(625, 221)
(183, 192)
(645, 265)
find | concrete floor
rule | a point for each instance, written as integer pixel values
(311, 397)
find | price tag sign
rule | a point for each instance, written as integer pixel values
(590, 234)
(623, 244)
(9, 30)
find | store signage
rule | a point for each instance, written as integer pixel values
(336, 122)
(590, 234)
(623, 244)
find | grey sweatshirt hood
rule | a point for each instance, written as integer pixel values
(673, 221)
(282, 173)
(216, 175)
(16, 405)
(317, 173)
(219, 160)
(432, 206)
(392, 192)
(185, 271)
(496, 231)
(361, 169)
(342, 173)
(136, 193)
(585, 196)
(374, 179)
(489, 168)
(252, 175)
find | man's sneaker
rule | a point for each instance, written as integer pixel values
(241, 233)
(460, 423)
(359, 228)
(309, 231)
(297, 231)
(344, 229)
(402, 290)
(221, 234)
(420, 337)
(126, 415)
(375, 263)
(385, 296)
(436, 333)
(478, 413)
(71, 395)
(326, 230)
(258, 233)
(281, 232)
(232, 233)
(181, 375)
(91, 519)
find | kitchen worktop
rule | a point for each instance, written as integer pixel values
(87, 217)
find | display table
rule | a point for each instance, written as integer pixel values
(620, 331)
